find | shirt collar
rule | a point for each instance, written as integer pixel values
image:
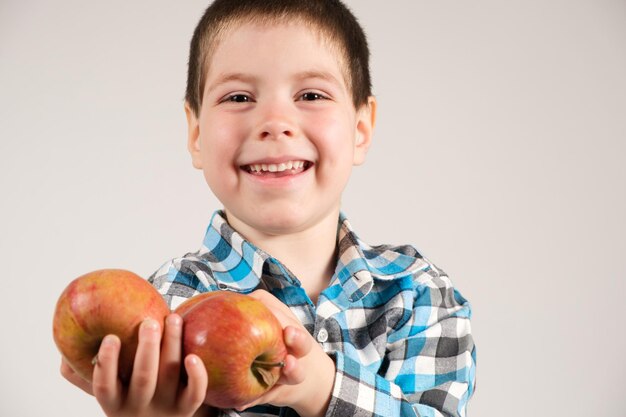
(235, 263)
(358, 263)
(238, 265)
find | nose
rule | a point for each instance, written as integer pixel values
(276, 121)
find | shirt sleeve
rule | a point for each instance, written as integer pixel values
(429, 367)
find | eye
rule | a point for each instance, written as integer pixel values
(237, 98)
(311, 96)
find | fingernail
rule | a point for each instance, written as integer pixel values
(108, 340)
(173, 320)
(291, 336)
(150, 324)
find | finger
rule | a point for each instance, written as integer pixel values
(293, 372)
(69, 374)
(146, 365)
(298, 341)
(245, 407)
(264, 399)
(169, 368)
(275, 396)
(197, 380)
(206, 411)
(270, 301)
(106, 385)
(284, 315)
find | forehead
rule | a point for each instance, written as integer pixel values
(294, 41)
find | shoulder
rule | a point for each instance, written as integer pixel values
(415, 277)
(183, 277)
(389, 270)
(388, 262)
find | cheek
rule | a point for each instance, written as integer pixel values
(219, 148)
(221, 140)
(334, 138)
(216, 127)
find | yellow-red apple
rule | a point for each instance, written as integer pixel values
(108, 301)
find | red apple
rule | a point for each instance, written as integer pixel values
(240, 342)
(189, 303)
(108, 301)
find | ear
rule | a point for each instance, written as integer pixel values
(365, 121)
(193, 137)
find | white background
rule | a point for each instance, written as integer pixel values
(499, 152)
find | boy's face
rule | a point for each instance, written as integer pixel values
(277, 134)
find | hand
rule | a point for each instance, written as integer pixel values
(69, 374)
(154, 388)
(307, 378)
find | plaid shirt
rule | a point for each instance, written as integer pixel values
(398, 331)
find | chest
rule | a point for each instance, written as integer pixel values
(358, 329)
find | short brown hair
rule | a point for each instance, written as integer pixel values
(332, 17)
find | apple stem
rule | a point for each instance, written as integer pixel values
(265, 364)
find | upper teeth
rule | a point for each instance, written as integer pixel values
(276, 167)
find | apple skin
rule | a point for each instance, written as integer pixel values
(229, 331)
(107, 301)
(189, 303)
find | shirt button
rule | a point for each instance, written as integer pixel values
(322, 336)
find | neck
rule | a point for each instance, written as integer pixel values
(310, 253)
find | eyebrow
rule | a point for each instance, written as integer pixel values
(324, 75)
(233, 76)
(247, 78)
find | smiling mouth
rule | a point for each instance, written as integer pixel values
(278, 170)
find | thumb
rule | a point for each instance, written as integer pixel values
(298, 341)
(194, 393)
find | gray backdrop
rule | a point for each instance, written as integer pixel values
(499, 153)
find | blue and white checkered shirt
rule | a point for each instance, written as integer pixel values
(398, 331)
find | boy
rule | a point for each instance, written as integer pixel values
(279, 109)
